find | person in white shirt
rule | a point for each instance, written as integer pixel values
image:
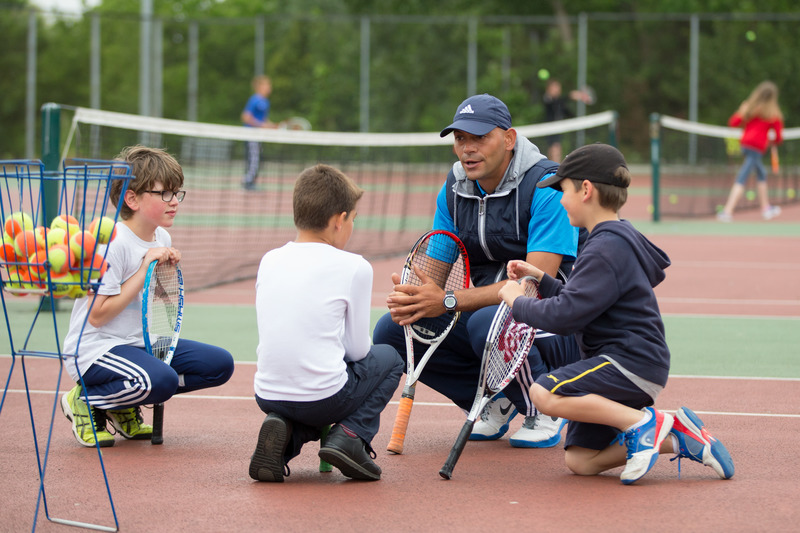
(316, 365)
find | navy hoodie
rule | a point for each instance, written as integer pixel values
(608, 301)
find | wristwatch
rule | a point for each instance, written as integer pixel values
(450, 302)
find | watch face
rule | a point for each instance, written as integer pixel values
(450, 301)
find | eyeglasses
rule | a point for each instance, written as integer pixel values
(167, 196)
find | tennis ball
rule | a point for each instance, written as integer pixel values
(37, 264)
(650, 209)
(750, 195)
(41, 236)
(93, 268)
(62, 284)
(750, 35)
(61, 258)
(103, 229)
(64, 221)
(25, 243)
(544, 74)
(77, 291)
(8, 254)
(790, 194)
(17, 223)
(82, 245)
(19, 279)
(673, 199)
(57, 236)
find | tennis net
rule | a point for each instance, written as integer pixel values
(223, 230)
(694, 166)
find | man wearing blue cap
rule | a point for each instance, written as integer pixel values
(490, 200)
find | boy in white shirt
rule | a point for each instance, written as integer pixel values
(119, 374)
(316, 365)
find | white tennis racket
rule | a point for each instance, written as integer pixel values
(507, 346)
(443, 257)
(162, 314)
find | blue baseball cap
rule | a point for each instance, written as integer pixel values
(480, 114)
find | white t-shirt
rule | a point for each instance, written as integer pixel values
(313, 311)
(125, 255)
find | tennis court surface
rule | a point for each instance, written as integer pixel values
(732, 308)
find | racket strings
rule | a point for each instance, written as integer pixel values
(443, 260)
(163, 305)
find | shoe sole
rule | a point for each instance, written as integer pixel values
(651, 455)
(68, 413)
(266, 466)
(138, 436)
(549, 443)
(715, 454)
(500, 432)
(346, 465)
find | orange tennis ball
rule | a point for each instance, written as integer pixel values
(57, 236)
(17, 223)
(103, 229)
(8, 253)
(61, 258)
(82, 245)
(93, 268)
(41, 236)
(25, 243)
(37, 264)
(64, 221)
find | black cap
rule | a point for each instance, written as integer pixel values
(478, 115)
(597, 163)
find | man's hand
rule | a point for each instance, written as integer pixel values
(408, 303)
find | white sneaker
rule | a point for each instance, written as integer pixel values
(722, 216)
(771, 212)
(540, 431)
(494, 419)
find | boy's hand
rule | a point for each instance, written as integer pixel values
(510, 292)
(518, 269)
(162, 255)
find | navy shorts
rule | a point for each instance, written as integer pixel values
(596, 375)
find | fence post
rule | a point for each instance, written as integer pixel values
(655, 157)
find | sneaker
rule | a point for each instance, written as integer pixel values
(494, 419)
(722, 216)
(644, 443)
(539, 431)
(267, 463)
(699, 445)
(83, 418)
(350, 454)
(129, 423)
(771, 212)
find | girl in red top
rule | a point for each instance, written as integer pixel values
(759, 114)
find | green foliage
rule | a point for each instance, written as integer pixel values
(638, 59)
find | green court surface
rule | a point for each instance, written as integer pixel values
(700, 346)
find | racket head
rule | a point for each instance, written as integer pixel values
(508, 343)
(442, 256)
(162, 309)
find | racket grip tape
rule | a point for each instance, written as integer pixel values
(324, 466)
(158, 424)
(455, 452)
(400, 425)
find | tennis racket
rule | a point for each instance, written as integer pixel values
(507, 346)
(162, 314)
(442, 256)
(775, 160)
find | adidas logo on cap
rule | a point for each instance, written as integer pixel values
(466, 109)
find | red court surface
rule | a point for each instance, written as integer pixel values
(198, 481)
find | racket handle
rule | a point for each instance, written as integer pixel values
(455, 452)
(401, 424)
(776, 165)
(158, 424)
(324, 466)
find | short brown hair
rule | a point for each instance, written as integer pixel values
(610, 196)
(148, 167)
(321, 192)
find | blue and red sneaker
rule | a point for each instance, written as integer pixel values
(644, 443)
(697, 444)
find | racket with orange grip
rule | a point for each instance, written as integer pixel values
(442, 257)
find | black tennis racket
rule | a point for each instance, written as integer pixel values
(507, 346)
(441, 256)
(162, 314)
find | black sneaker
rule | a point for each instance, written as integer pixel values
(350, 454)
(267, 464)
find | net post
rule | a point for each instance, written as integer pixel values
(612, 130)
(51, 130)
(655, 148)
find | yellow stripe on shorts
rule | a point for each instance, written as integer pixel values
(579, 376)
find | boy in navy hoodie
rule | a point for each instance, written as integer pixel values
(609, 305)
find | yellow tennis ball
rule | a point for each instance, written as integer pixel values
(673, 199)
(61, 258)
(41, 236)
(103, 229)
(57, 236)
(791, 193)
(17, 223)
(76, 292)
(62, 284)
(64, 221)
(750, 195)
(650, 209)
